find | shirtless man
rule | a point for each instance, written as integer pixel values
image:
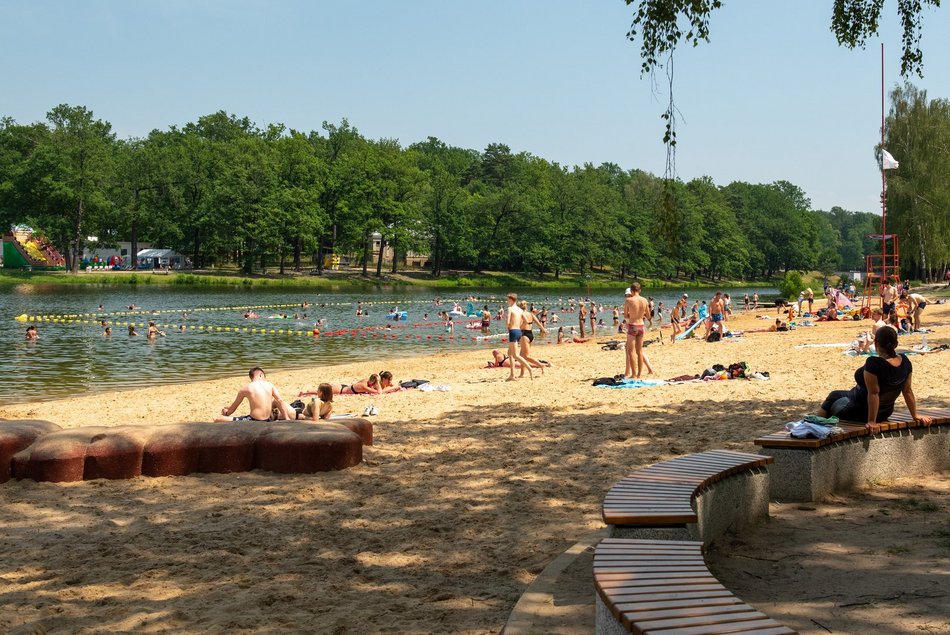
(680, 307)
(917, 305)
(635, 311)
(717, 313)
(513, 324)
(582, 314)
(261, 395)
(888, 298)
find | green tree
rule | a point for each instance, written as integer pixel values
(918, 192)
(72, 174)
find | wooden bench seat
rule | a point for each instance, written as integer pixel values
(661, 500)
(810, 469)
(900, 420)
(663, 587)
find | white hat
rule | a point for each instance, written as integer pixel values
(685, 296)
(627, 291)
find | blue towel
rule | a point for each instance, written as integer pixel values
(637, 383)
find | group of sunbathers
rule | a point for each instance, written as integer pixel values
(266, 403)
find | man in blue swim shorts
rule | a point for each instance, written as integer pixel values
(513, 324)
(717, 312)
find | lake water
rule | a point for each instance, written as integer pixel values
(73, 357)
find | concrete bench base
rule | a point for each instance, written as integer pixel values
(606, 623)
(810, 474)
(727, 506)
(43, 452)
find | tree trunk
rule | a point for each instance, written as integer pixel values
(196, 260)
(395, 255)
(77, 238)
(283, 257)
(249, 259)
(134, 238)
(379, 261)
(298, 247)
(367, 237)
(320, 255)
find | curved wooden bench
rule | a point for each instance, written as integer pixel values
(662, 587)
(811, 469)
(694, 497)
(176, 450)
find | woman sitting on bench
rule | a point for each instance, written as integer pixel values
(879, 382)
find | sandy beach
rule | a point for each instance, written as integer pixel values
(465, 497)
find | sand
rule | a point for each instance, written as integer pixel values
(467, 495)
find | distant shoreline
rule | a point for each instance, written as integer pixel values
(354, 280)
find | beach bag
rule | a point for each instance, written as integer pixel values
(298, 406)
(715, 336)
(413, 383)
(617, 380)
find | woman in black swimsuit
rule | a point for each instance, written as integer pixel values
(527, 337)
(363, 387)
(879, 383)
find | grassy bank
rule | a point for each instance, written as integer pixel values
(340, 280)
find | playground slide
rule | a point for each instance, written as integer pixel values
(686, 333)
(22, 250)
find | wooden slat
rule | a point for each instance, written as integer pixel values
(722, 611)
(705, 620)
(757, 627)
(656, 587)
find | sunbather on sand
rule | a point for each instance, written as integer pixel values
(362, 387)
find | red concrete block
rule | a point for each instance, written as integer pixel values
(57, 457)
(294, 448)
(227, 447)
(16, 436)
(116, 454)
(362, 427)
(171, 451)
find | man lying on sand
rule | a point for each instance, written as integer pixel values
(262, 397)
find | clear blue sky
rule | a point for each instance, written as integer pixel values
(771, 97)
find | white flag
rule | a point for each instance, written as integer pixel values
(890, 163)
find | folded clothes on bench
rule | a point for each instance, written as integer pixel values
(806, 429)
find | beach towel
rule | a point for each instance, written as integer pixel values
(635, 383)
(427, 387)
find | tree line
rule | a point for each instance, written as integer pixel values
(225, 190)
(918, 192)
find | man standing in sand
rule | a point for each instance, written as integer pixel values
(635, 311)
(582, 314)
(888, 298)
(263, 398)
(513, 323)
(680, 307)
(717, 313)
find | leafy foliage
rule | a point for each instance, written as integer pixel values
(224, 190)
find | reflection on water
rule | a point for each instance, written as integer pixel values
(75, 358)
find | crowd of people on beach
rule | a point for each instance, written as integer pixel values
(886, 375)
